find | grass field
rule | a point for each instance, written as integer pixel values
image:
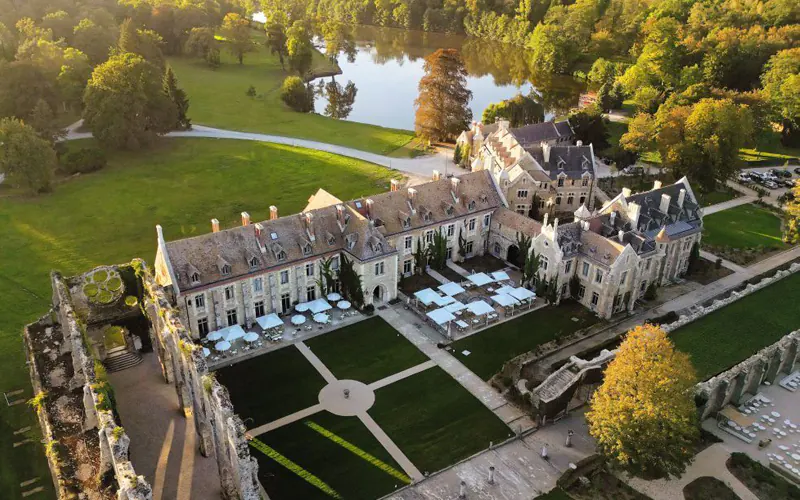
(435, 421)
(729, 335)
(745, 226)
(110, 216)
(490, 348)
(366, 351)
(347, 470)
(218, 99)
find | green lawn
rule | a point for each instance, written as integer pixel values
(218, 99)
(366, 351)
(715, 197)
(435, 421)
(347, 470)
(491, 348)
(110, 217)
(745, 226)
(271, 386)
(729, 335)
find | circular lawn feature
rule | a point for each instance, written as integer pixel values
(114, 284)
(346, 398)
(105, 297)
(100, 276)
(90, 290)
(131, 301)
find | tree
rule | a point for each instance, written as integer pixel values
(519, 110)
(640, 136)
(276, 40)
(236, 32)
(551, 50)
(340, 99)
(327, 281)
(590, 127)
(202, 42)
(60, 24)
(644, 415)
(420, 257)
(26, 159)
(145, 43)
(351, 282)
(647, 99)
(43, 121)
(125, 105)
(530, 271)
(781, 83)
(8, 43)
(524, 245)
(457, 154)
(466, 152)
(791, 229)
(71, 80)
(296, 95)
(437, 251)
(22, 85)
(574, 286)
(299, 48)
(178, 98)
(442, 106)
(93, 40)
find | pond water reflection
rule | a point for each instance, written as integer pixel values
(385, 66)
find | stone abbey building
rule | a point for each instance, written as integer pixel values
(235, 275)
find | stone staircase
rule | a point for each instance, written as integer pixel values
(120, 358)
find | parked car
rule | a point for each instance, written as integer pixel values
(789, 183)
(797, 170)
(785, 173)
(770, 184)
(743, 177)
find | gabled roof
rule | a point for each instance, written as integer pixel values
(572, 161)
(542, 132)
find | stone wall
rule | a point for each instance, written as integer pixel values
(553, 395)
(75, 412)
(222, 433)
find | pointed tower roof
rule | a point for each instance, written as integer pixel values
(662, 235)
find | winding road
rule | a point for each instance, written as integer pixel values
(418, 167)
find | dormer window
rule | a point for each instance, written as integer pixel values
(450, 209)
(195, 278)
(426, 216)
(407, 222)
(226, 270)
(471, 205)
(281, 256)
(377, 247)
(253, 263)
(306, 249)
(331, 240)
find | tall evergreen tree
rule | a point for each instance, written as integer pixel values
(178, 97)
(442, 105)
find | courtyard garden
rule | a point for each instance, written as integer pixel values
(181, 185)
(731, 334)
(743, 234)
(428, 415)
(218, 99)
(489, 349)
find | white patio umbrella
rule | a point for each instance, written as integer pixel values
(223, 346)
(344, 305)
(298, 319)
(301, 307)
(216, 335)
(206, 352)
(333, 297)
(251, 337)
(321, 318)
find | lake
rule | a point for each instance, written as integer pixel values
(386, 64)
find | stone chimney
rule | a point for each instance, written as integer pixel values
(214, 226)
(412, 195)
(454, 183)
(395, 185)
(681, 197)
(503, 124)
(664, 206)
(579, 143)
(555, 227)
(436, 175)
(273, 212)
(369, 208)
(634, 209)
(613, 218)
(544, 220)
(245, 219)
(546, 152)
(656, 185)
(626, 192)
(259, 229)
(340, 216)
(621, 236)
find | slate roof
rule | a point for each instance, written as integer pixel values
(510, 219)
(396, 211)
(538, 132)
(573, 161)
(652, 218)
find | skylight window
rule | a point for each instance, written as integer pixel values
(358, 204)
(274, 236)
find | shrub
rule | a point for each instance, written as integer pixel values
(84, 160)
(251, 92)
(296, 95)
(104, 297)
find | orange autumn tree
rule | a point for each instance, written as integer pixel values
(644, 416)
(442, 105)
